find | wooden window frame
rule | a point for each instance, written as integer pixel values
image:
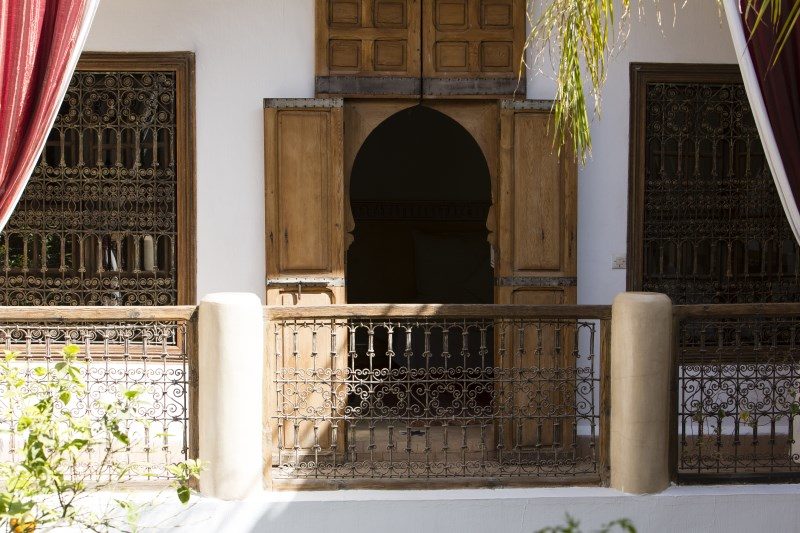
(641, 74)
(183, 65)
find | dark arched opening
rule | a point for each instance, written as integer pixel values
(420, 192)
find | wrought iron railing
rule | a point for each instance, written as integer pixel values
(438, 392)
(737, 386)
(149, 349)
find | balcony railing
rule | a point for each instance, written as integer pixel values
(737, 386)
(439, 393)
(433, 395)
(152, 349)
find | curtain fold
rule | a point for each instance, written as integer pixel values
(40, 43)
(774, 96)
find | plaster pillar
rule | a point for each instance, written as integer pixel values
(641, 355)
(231, 363)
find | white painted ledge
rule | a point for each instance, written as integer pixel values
(744, 508)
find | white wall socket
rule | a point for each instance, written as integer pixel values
(619, 262)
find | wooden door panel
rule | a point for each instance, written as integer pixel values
(537, 222)
(304, 192)
(313, 359)
(537, 202)
(473, 47)
(368, 47)
(543, 356)
(304, 204)
(304, 184)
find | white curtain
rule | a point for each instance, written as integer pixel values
(756, 72)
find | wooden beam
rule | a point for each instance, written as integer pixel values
(484, 311)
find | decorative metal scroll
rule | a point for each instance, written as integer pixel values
(96, 224)
(738, 398)
(714, 228)
(435, 398)
(115, 357)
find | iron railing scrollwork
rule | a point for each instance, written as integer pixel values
(447, 394)
(737, 383)
(153, 353)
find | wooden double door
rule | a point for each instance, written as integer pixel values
(311, 146)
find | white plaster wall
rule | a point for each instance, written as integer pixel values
(247, 50)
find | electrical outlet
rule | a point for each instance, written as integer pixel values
(619, 262)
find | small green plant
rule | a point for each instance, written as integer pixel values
(45, 488)
(574, 526)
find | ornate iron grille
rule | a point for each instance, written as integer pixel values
(435, 398)
(738, 397)
(714, 228)
(97, 224)
(116, 356)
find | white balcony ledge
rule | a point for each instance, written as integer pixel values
(730, 508)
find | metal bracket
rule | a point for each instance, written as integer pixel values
(303, 103)
(307, 282)
(527, 105)
(533, 281)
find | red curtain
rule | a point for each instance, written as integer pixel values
(40, 42)
(780, 89)
(774, 95)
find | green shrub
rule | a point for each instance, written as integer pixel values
(48, 486)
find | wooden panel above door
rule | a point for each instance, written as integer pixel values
(368, 47)
(473, 47)
(413, 48)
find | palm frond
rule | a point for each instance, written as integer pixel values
(782, 15)
(579, 33)
(581, 36)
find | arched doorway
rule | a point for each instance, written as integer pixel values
(420, 193)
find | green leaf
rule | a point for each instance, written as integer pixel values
(78, 444)
(120, 435)
(71, 350)
(175, 470)
(184, 493)
(24, 423)
(40, 371)
(132, 394)
(65, 397)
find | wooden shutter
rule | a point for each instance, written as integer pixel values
(305, 260)
(537, 264)
(304, 202)
(368, 47)
(537, 206)
(473, 47)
